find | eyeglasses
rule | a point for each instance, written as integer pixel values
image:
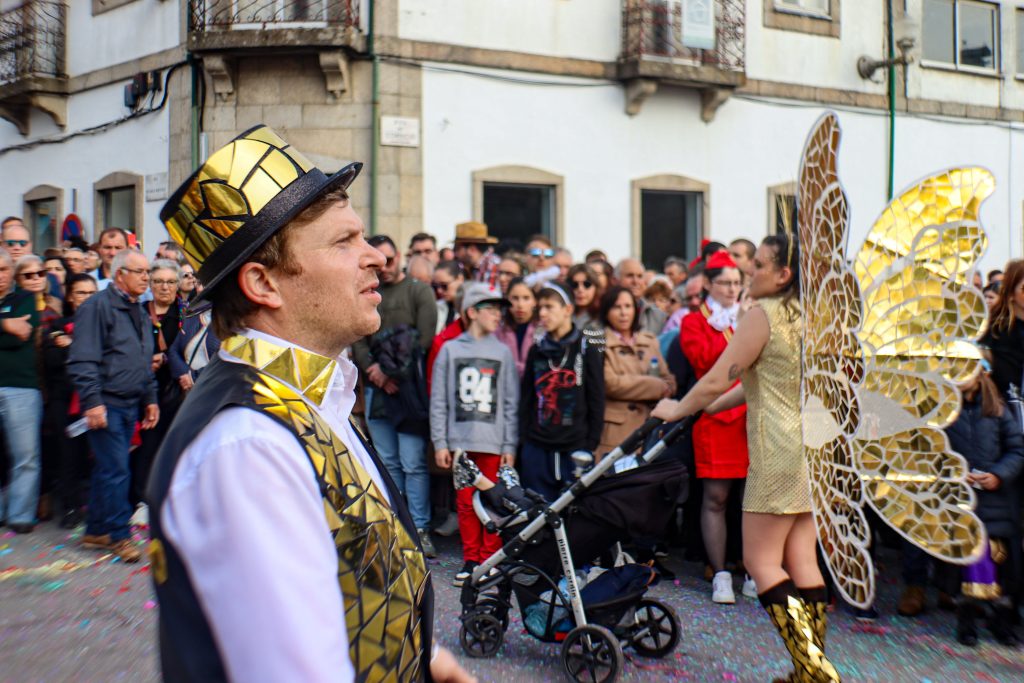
(582, 284)
(32, 274)
(547, 253)
(17, 243)
(134, 271)
(727, 283)
(159, 283)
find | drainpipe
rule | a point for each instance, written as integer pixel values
(196, 75)
(892, 98)
(375, 116)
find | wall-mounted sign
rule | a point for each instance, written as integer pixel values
(399, 131)
(156, 187)
(699, 24)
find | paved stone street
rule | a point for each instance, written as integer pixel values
(73, 615)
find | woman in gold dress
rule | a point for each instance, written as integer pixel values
(778, 530)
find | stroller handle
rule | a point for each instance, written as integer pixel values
(681, 428)
(634, 440)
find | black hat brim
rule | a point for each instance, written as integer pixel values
(278, 212)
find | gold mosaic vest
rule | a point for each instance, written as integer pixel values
(381, 570)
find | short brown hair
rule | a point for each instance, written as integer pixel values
(231, 307)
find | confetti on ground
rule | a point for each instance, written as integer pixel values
(79, 601)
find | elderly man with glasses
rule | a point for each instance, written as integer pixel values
(16, 238)
(111, 366)
(21, 403)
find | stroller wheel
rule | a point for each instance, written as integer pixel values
(496, 607)
(591, 654)
(655, 631)
(481, 634)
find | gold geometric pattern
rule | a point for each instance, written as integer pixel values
(381, 571)
(806, 647)
(886, 341)
(230, 188)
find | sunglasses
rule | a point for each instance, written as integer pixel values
(582, 284)
(440, 286)
(547, 253)
(32, 275)
(17, 243)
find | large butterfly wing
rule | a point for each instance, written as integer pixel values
(831, 366)
(921, 317)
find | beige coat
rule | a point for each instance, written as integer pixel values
(630, 391)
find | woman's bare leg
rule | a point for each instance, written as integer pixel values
(800, 556)
(764, 544)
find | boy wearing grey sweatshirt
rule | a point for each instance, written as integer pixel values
(474, 399)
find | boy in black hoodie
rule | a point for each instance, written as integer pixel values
(562, 397)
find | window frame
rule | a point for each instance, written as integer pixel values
(116, 181)
(784, 18)
(42, 193)
(665, 182)
(780, 6)
(1018, 37)
(522, 175)
(997, 61)
(774, 194)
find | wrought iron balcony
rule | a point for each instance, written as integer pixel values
(32, 41)
(229, 24)
(32, 73)
(655, 48)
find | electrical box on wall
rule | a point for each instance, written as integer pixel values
(142, 84)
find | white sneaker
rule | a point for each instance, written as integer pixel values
(721, 589)
(749, 587)
(141, 516)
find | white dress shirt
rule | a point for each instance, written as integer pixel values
(244, 512)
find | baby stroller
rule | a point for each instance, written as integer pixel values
(545, 543)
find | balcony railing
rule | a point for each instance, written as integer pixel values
(32, 41)
(207, 15)
(653, 31)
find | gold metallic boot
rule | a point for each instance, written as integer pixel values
(791, 617)
(816, 603)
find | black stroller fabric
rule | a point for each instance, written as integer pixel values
(615, 509)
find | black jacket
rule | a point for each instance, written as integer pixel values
(995, 445)
(563, 394)
(111, 358)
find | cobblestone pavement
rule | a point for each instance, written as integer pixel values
(72, 615)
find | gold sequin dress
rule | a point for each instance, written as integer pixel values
(777, 481)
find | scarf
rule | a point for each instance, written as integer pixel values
(722, 318)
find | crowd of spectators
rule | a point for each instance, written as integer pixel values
(516, 353)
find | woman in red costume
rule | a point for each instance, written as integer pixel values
(720, 440)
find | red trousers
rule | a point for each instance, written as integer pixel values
(477, 544)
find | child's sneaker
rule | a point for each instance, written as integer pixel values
(462, 576)
(749, 588)
(721, 589)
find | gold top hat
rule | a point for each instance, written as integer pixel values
(473, 231)
(244, 193)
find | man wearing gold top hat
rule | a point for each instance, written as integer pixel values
(281, 549)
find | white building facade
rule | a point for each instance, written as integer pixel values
(638, 127)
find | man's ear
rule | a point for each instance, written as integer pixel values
(259, 285)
